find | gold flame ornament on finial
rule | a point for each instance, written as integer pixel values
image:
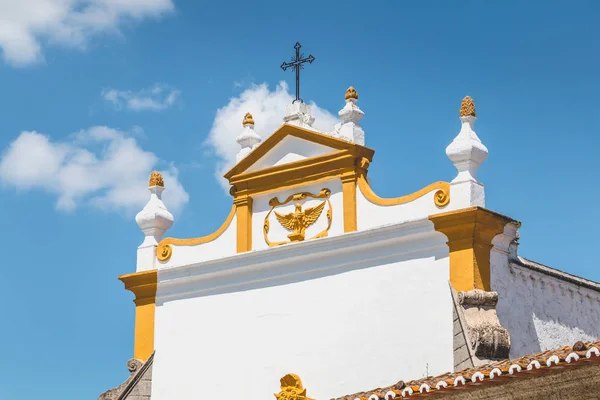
(291, 389)
(467, 107)
(248, 120)
(156, 179)
(351, 93)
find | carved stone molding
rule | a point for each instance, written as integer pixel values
(488, 339)
(138, 371)
(478, 323)
(477, 298)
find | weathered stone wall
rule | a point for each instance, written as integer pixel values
(543, 312)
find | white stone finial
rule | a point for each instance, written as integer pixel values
(248, 139)
(467, 153)
(298, 114)
(153, 220)
(350, 129)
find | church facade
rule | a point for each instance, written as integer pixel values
(313, 275)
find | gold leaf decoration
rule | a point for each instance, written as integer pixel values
(441, 198)
(291, 389)
(164, 252)
(300, 219)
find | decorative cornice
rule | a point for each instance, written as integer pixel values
(559, 275)
(294, 261)
(298, 173)
(142, 284)
(478, 298)
(470, 232)
(301, 133)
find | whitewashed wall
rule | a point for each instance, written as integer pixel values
(290, 149)
(222, 246)
(542, 312)
(346, 313)
(260, 209)
(370, 215)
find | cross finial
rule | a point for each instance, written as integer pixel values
(297, 64)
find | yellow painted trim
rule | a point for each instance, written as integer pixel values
(441, 197)
(349, 201)
(143, 285)
(301, 133)
(164, 250)
(244, 223)
(295, 174)
(470, 232)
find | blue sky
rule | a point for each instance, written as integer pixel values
(95, 94)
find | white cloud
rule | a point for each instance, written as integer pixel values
(99, 166)
(158, 97)
(268, 109)
(26, 24)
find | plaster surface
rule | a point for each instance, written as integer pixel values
(542, 312)
(340, 312)
(222, 246)
(290, 149)
(370, 215)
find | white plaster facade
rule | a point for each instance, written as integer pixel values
(348, 311)
(339, 311)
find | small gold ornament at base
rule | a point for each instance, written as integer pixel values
(291, 388)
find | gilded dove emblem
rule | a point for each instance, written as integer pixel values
(298, 221)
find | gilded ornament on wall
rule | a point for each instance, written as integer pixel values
(301, 218)
(291, 388)
(441, 198)
(164, 252)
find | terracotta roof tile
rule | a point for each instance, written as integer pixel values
(500, 371)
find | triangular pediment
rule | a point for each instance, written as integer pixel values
(291, 144)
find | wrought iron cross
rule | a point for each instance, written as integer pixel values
(297, 64)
